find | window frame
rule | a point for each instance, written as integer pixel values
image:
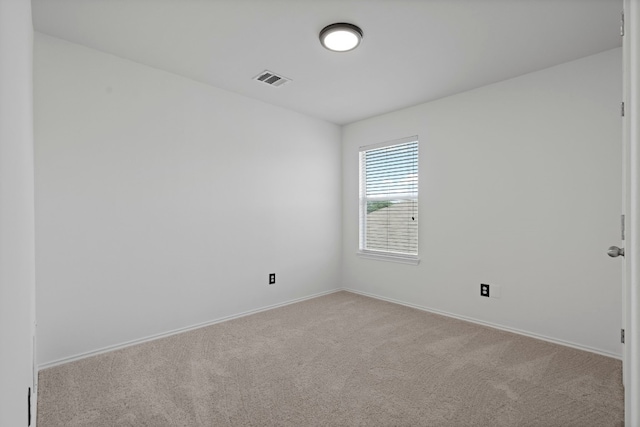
(384, 255)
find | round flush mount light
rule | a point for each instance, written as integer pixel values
(341, 37)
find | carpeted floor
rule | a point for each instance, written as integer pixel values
(337, 360)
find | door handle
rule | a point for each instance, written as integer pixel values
(615, 251)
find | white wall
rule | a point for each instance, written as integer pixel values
(520, 186)
(163, 203)
(16, 211)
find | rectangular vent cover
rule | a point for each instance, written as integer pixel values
(271, 78)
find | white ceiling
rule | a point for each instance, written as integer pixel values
(413, 51)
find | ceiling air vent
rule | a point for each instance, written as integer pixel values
(272, 79)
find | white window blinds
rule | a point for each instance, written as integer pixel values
(389, 198)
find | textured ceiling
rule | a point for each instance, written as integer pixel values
(412, 52)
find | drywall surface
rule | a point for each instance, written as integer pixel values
(520, 187)
(164, 203)
(16, 212)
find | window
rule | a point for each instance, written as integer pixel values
(389, 200)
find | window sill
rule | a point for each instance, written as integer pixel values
(402, 259)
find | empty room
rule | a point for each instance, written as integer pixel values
(319, 212)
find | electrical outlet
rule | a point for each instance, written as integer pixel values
(484, 290)
(272, 278)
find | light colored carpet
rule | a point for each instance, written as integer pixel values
(337, 360)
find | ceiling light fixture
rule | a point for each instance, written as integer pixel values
(341, 37)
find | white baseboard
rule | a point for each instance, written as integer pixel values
(177, 331)
(491, 325)
(34, 408)
(282, 304)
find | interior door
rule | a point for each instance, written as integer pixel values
(625, 186)
(631, 193)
